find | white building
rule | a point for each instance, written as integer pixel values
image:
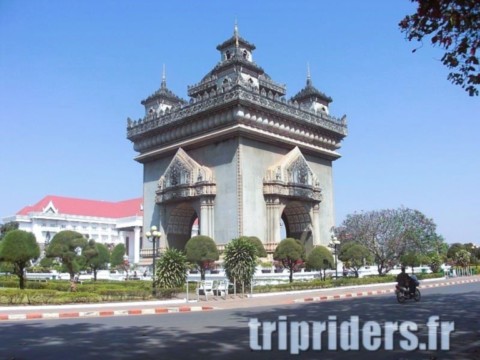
(109, 223)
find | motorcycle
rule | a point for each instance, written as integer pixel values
(403, 294)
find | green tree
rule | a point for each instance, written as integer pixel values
(88, 253)
(320, 258)
(412, 259)
(474, 253)
(453, 249)
(462, 258)
(261, 252)
(202, 251)
(116, 258)
(100, 259)
(19, 247)
(289, 251)
(453, 25)
(67, 246)
(240, 258)
(435, 261)
(9, 226)
(171, 269)
(354, 256)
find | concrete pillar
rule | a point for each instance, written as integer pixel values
(316, 224)
(273, 220)
(136, 245)
(206, 218)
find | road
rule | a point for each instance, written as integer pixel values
(225, 334)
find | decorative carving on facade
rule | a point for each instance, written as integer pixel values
(184, 178)
(292, 178)
(242, 91)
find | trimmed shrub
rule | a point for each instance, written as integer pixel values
(171, 269)
(12, 296)
(78, 298)
(40, 297)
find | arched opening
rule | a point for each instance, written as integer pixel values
(180, 224)
(195, 227)
(298, 223)
(283, 229)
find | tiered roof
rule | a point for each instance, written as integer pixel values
(164, 94)
(310, 92)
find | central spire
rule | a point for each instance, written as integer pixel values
(235, 33)
(164, 79)
(309, 78)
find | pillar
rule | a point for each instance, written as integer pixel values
(136, 244)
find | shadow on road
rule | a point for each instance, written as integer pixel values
(224, 334)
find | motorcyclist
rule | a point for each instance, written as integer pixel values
(403, 280)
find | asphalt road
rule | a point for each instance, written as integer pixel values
(225, 334)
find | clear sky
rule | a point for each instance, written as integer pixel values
(71, 72)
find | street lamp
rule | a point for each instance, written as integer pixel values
(153, 235)
(334, 244)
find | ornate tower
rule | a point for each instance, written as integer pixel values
(238, 156)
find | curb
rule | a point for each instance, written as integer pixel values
(375, 292)
(103, 313)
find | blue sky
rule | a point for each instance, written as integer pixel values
(71, 72)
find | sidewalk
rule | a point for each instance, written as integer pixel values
(10, 313)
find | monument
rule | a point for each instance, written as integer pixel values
(238, 157)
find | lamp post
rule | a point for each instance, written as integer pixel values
(153, 235)
(334, 244)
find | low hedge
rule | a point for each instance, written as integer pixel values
(329, 283)
(123, 294)
(12, 296)
(78, 298)
(41, 297)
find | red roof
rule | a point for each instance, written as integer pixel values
(83, 207)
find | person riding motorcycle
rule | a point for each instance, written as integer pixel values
(403, 280)
(407, 282)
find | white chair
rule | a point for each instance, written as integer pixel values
(205, 287)
(221, 288)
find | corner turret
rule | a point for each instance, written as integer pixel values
(162, 100)
(312, 98)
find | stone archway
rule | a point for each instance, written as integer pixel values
(186, 191)
(179, 226)
(298, 222)
(292, 194)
